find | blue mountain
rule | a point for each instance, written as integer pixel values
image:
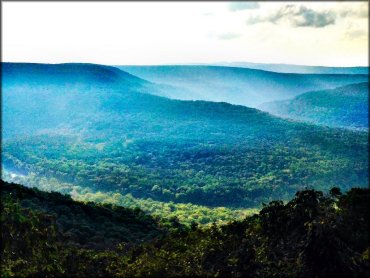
(240, 86)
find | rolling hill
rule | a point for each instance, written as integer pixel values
(121, 138)
(242, 86)
(72, 75)
(345, 106)
(42, 96)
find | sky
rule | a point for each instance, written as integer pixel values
(148, 33)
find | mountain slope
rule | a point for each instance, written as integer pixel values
(340, 107)
(206, 153)
(242, 86)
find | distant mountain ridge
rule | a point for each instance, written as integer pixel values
(302, 69)
(242, 86)
(345, 106)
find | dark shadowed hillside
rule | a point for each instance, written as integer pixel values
(87, 225)
(312, 235)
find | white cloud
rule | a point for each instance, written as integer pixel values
(297, 16)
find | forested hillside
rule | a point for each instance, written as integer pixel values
(313, 235)
(346, 106)
(121, 139)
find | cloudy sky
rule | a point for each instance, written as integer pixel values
(309, 33)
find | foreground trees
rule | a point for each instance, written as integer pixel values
(313, 235)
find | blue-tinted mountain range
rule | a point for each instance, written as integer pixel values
(107, 130)
(242, 86)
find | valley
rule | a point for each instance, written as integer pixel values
(112, 135)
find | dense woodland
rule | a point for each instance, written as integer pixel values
(234, 175)
(186, 213)
(313, 235)
(345, 107)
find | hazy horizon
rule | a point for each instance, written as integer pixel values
(328, 34)
(188, 64)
